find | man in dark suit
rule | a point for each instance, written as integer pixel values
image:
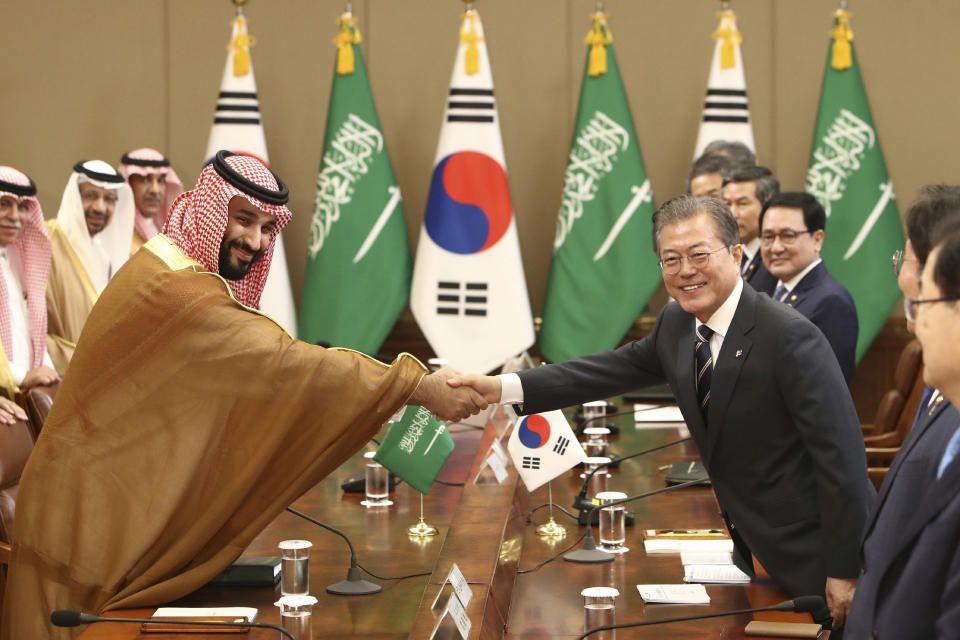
(889, 600)
(774, 423)
(746, 192)
(791, 235)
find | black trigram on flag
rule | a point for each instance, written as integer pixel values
(561, 446)
(530, 462)
(726, 105)
(461, 298)
(237, 107)
(471, 105)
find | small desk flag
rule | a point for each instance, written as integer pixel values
(416, 448)
(542, 446)
(237, 127)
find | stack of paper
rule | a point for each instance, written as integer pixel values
(673, 593)
(714, 574)
(678, 545)
(250, 613)
(656, 413)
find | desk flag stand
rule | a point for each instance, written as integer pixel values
(422, 529)
(551, 529)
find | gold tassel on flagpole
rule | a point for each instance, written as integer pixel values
(842, 55)
(598, 39)
(728, 32)
(240, 45)
(349, 35)
(468, 35)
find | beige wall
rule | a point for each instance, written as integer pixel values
(93, 79)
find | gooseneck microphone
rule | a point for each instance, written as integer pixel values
(354, 585)
(580, 501)
(68, 618)
(802, 604)
(588, 552)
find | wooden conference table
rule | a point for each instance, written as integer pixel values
(484, 529)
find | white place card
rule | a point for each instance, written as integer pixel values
(673, 593)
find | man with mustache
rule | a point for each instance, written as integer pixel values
(24, 264)
(90, 238)
(155, 186)
(188, 419)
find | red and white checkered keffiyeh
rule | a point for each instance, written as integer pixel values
(174, 187)
(32, 249)
(198, 220)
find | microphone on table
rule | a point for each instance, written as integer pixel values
(580, 501)
(613, 428)
(588, 552)
(354, 585)
(68, 618)
(801, 604)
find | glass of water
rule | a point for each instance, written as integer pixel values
(295, 567)
(598, 481)
(296, 615)
(378, 483)
(593, 413)
(599, 610)
(613, 531)
(596, 444)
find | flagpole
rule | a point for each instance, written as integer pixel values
(551, 529)
(421, 529)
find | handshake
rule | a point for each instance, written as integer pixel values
(453, 396)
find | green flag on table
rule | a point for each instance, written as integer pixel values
(416, 448)
(358, 263)
(603, 271)
(849, 177)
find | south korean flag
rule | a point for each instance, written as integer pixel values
(542, 446)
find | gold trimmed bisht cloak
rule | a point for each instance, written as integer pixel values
(187, 422)
(70, 297)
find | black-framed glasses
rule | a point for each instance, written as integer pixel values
(787, 236)
(910, 308)
(673, 264)
(899, 260)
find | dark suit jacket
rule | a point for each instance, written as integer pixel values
(758, 277)
(783, 449)
(827, 304)
(909, 588)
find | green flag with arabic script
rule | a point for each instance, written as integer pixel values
(358, 264)
(603, 271)
(849, 177)
(416, 448)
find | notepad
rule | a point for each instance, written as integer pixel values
(250, 613)
(678, 545)
(653, 413)
(700, 557)
(714, 574)
(673, 593)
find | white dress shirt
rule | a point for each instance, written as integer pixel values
(21, 359)
(795, 280)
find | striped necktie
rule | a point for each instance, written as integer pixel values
(779, 292)
(704, 368)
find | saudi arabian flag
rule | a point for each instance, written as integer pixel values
(358, 262)
(848, 176)
(416, 448)
(602, 272)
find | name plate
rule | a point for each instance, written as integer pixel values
(453, 624)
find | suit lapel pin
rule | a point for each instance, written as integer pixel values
(936, 403)
(739, 353)
(793, 297)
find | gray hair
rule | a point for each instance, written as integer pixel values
(738, 152)
(689, 206)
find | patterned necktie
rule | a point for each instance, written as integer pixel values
(779, 292)
(704, 368)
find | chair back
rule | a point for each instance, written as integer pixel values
(37, 402)
(16, 443)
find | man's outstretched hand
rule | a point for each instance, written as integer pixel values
(486, 386)
(448, 402)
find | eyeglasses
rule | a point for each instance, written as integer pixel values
(672, 265)
(787, 236)
(911, 305)
(898, 261)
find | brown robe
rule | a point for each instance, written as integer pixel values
(187, 422)
(70, 297)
